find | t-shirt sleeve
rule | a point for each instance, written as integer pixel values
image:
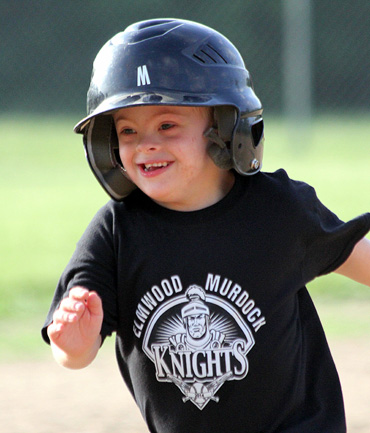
(93, 266)
(329, 241)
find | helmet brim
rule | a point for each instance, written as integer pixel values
(153, 97)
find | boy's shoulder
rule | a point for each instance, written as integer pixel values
(279, 182)
(277, 191)
(281, 178)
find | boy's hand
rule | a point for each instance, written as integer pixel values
(75, 331)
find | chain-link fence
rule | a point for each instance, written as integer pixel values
(47, 47)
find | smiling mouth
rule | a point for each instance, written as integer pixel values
(155, 166)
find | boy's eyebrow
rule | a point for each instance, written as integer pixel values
(119, 117)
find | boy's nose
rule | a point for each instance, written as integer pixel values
(148, 143)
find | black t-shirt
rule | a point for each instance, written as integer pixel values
(215, 329)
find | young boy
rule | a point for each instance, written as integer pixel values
(200, 262)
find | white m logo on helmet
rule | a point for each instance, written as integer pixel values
(142, 76)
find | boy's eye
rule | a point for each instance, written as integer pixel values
(166, 126)
(128, 131)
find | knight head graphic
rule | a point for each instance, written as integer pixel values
(195, 317)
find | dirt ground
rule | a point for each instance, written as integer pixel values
(41, 397)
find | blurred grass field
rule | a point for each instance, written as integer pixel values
(49, 195)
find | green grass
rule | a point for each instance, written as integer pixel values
(49, 195)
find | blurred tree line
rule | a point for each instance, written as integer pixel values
(48, 46)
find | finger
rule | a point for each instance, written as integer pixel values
(71, 305)
(79, 293)
(54, 330)
(94, 304)
(61, 316)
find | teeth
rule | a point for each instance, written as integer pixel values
(155, 164)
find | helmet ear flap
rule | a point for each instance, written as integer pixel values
(220, 155)
(225, 118)
(115, 148)
(104, 160)
(247, 146)
(221, 136)
(236, 140)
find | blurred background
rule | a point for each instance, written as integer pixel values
(310, 64)
(48, 48)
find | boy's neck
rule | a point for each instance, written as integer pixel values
(220, 189)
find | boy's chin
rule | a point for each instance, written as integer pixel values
(158, 195)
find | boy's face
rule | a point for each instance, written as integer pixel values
(164, 152)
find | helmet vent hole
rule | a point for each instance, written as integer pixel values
(198, 58)
(257, 132)
(206, 54)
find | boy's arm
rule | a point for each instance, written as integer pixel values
(357, 266)
(75, 331)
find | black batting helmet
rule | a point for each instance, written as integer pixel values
(171, 62)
